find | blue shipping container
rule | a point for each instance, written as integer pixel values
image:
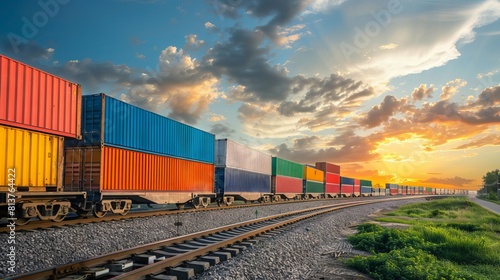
(366, 189)
(229, 180)
(111, 122)
(346, 180)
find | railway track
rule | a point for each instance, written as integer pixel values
(183, 256)
(36, 225)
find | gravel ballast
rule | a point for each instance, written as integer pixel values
(291, 255)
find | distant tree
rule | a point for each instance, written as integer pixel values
(491, 184)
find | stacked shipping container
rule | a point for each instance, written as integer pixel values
(331, 178)
(366, 187)
(392, 189)
(286, 178)
(130, 152)
(37, 110)
(313, 184)
(241, 171)
(346, 186)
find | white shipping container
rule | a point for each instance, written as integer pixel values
(235, 155)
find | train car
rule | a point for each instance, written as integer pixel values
(286, 180)
(331, 179)
(33, 164)
(312, 183)
(131, 155)
(34, 100)
(241, 173)
(428, 190)
(391, 189)
(357, 188)
(346, 186)
(366, 187)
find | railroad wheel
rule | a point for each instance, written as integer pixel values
(97, 210)
(22, 221)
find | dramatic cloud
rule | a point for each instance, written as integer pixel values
(245, 62)
(381, 113)
(289, 108)
(489, 97)
(422, 92)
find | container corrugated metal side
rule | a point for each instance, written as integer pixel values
(37, 159)
(313, 187)
(328, 167)
(231, 180)
(366, 186)
(313, 174)
(114, 169)
(346, 185)
(283, 167)
(235, 155)
(331, 188)
(35, 100)
(283, 184)
(111, 122)
(357, 187)
(428, 190)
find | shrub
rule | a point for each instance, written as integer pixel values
(406, 264)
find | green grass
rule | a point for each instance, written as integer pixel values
(449, 239)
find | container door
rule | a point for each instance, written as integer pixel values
(219, 181)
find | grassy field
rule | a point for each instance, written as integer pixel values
(450, 238)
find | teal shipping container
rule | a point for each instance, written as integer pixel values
(111, 122)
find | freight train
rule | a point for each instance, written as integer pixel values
(64, 152)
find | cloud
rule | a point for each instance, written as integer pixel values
(289, 108)
(422, 92)
(388, 46)
(29, 51)
(221, 130)
(381, 113)
(451, 88)
(489, 97)
(490, 140)
(140, 56)
(181, 85)
(455, 181)
(347, 147)
(192, 43)
(245, 62)
(209, 25)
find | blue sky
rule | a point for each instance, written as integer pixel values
(394, 91)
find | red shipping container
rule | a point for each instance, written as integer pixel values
(332, 188)
(393, 192)
(347, 190)
(35, 100)
(283, 184)
(328, 167)
(332, 178)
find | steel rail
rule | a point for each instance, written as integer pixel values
(36, 225)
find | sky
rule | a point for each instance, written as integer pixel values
(394, 91)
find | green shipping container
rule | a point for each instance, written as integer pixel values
(313, 187)
(366, 183)
(283, 167)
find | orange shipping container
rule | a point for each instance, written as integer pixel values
(313, 174)
(109, 169)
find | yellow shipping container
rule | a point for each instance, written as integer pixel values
(36, 157)
(313, 174)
